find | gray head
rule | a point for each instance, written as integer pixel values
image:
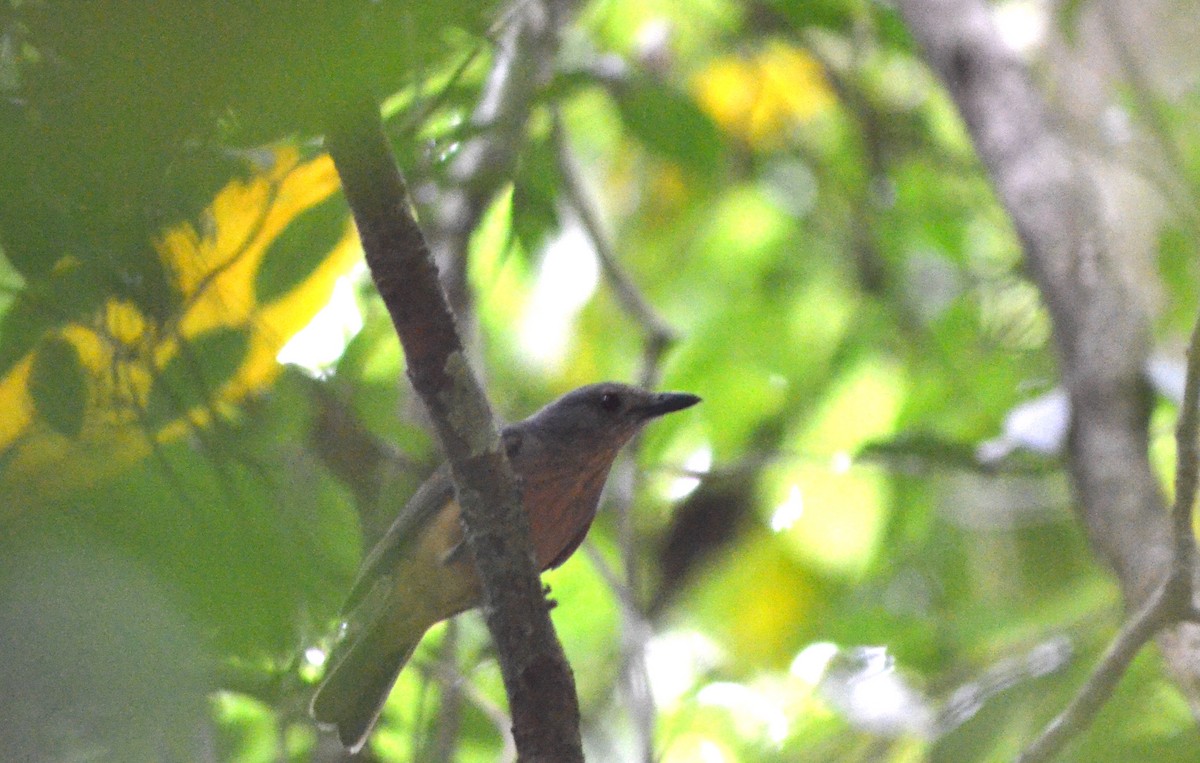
(603, 416)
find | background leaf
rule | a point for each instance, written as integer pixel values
(58, 387)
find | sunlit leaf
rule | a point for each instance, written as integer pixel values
(762, 98)
(213, 345)
(70, 291)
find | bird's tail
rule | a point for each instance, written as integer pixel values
(354, 690)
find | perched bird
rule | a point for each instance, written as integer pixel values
(421, 573)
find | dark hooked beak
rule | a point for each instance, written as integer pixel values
(667, 402)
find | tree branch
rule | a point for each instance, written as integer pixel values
(1171, 603)
(537, 677)
(1082, 710)
(659, 334)
(523, 64)
(1102, 338)
(1101, 335)
(1187, 468)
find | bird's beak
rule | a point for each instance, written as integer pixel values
(667, 402)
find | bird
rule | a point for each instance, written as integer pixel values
(421, 572)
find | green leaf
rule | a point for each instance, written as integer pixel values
(20, 329)
(535, 193)
(300, 247)
(57, 384)
(193, 376)
(71, 292)
(830, 14)
(669, 123)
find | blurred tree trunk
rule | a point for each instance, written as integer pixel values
(1101, 323)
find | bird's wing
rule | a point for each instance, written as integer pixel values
(433, 495)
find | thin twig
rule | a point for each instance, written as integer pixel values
(1082, 709)
(449, 724)
(1166, 173)
(1172, 601)
(1187, 465)
(610, 577)
(453, 678)
(525, 51)
(635, 631)
(659, 334)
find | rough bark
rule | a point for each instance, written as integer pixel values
(537, 677)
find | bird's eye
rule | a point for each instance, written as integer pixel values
(610, 402)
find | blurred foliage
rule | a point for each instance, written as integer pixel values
(825, 567)
(105, 386)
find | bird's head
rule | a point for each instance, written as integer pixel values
(604, 415)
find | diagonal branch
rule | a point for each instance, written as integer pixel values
(1102, 337)
(1101, 334)
(537, 677)
(1082, 709)
(1171, 602)
(659, 334)
(523, 64)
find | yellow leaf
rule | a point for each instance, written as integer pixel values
(763, 98)
(124, 354)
